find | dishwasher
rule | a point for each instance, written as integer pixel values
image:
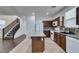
(52, 35)
(72, 45)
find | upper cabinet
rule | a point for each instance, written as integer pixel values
(58, 21)
(47, 23)
(71, 18)
(77, 15)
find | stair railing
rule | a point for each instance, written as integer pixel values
(14, 26)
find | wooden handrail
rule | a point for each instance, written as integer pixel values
(9, 27)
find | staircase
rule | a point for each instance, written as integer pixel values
(11, 29)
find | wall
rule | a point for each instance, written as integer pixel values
(39, 24)
(30, 24)
(22, 29)
(8, 18)
(62, 12)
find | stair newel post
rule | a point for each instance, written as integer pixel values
(3, 34)
(13, 32)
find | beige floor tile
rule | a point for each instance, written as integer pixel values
(52, 47)
(26, 47)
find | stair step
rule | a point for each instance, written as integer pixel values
(8, 38)
(9, 34)
(12, 32)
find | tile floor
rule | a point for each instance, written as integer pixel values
(26, 47)
(52, 47)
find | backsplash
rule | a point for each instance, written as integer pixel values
(74, 30)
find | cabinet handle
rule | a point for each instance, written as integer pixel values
(42, 39)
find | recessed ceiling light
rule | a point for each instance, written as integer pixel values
(53, 6)
(47, 13)
(33, 13)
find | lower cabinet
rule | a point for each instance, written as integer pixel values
(37, 44)
(60, 39)
(56, 37)
(63, 41)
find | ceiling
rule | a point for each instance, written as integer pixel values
(28, 10)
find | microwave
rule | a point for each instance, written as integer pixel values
(55, 23)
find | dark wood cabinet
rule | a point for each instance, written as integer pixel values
(56, 21)
(63, 41)
(47, 33)
(37, 44)
(55, 36)
(77, 15)
(60, 39)
(59, 21)
(47, 23)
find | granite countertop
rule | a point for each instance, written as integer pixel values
(48, 28)
(76, 36)
(37, 34)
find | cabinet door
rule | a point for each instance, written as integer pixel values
(63, 41)
(58, 39)
(55, 36)
(37, 44)
(47, 23)
(77, 16)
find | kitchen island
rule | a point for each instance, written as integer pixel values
(38, 40)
